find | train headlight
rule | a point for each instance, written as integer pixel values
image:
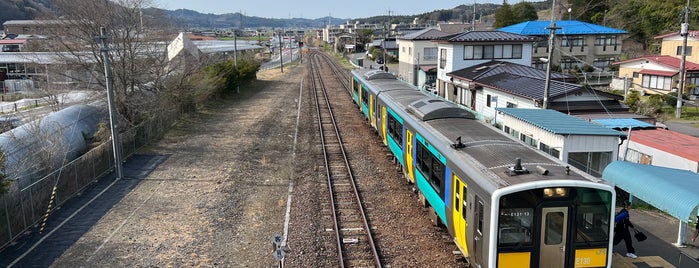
(555, 192)
(561, 192)
(548, 192)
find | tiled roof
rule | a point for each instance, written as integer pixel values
(496, 67)
(567, 27)
(424, 34)
(559, 123)
(528, 87)
(669, 141)
(669, 61)
(489, 36)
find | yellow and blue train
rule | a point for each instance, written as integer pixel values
(504, 203)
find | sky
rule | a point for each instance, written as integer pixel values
(284, 9)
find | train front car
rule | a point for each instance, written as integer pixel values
(523, 208)
(559, 223)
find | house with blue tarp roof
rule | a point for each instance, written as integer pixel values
(577, 43)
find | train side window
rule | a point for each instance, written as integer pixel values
(479, 222)
(365, 96)
(356, 86)
(464, 203)
(457, 196)
(395, 129)
(431, 168)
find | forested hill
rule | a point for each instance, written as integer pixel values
(22, 9)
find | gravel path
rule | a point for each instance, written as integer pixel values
(222, 193)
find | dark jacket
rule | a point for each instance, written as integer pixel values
(622, 220)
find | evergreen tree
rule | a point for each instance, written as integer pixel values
(524, 11)
(504, 16)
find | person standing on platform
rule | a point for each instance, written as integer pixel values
(621, 230)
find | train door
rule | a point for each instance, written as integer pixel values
(382, 129)
(372, 119)
(374, 110)
(478, 232)
(553, 237)
(459, 214)
(409, 155)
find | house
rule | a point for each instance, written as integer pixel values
(585, 145)
(34, 27)
(476, 47)
(661, 147)
(657, 74)
(671, 45)
(417, 58)
(12, 45)
(577, 43)
(499, 84)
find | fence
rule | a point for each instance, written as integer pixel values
(23, 209)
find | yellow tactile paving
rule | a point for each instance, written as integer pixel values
(619, 261)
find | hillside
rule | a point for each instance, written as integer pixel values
(22, 9)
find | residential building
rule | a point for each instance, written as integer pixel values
(651, 145)
(671, 45)
(657, 74)
(33, 27)
(576, 44)
(485, 87)
(417, 57)
(587, 146)
(476, 47)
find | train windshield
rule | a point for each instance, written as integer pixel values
(516, 219)
(592, 219)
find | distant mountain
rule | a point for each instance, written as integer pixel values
(192, 19)
(22, 9)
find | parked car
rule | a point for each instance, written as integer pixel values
(379, 60)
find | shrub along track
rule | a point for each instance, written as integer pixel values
(222, 193)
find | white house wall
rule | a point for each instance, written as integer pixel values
(488, 113)
(565, 144)
(659, 158)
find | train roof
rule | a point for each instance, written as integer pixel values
(486, 150)
(497, 153)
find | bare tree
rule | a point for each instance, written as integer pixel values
(137, 42)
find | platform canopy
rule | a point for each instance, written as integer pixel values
(671, 190)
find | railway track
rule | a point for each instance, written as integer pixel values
(355, 243)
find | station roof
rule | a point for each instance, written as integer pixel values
(559, 123)
(670, 190)
(567, 27)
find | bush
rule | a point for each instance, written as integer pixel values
(632, 100)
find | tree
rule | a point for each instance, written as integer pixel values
(632, 100)
(364, 35)
(139, 64)
(524, 11)
(504, 16)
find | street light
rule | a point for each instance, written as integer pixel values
(569, 10)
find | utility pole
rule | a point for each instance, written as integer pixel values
(385, 40)
(113, 121)
(683, 32)
(473, 25)
(235, 53)
(552, 35)
(281, 52)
